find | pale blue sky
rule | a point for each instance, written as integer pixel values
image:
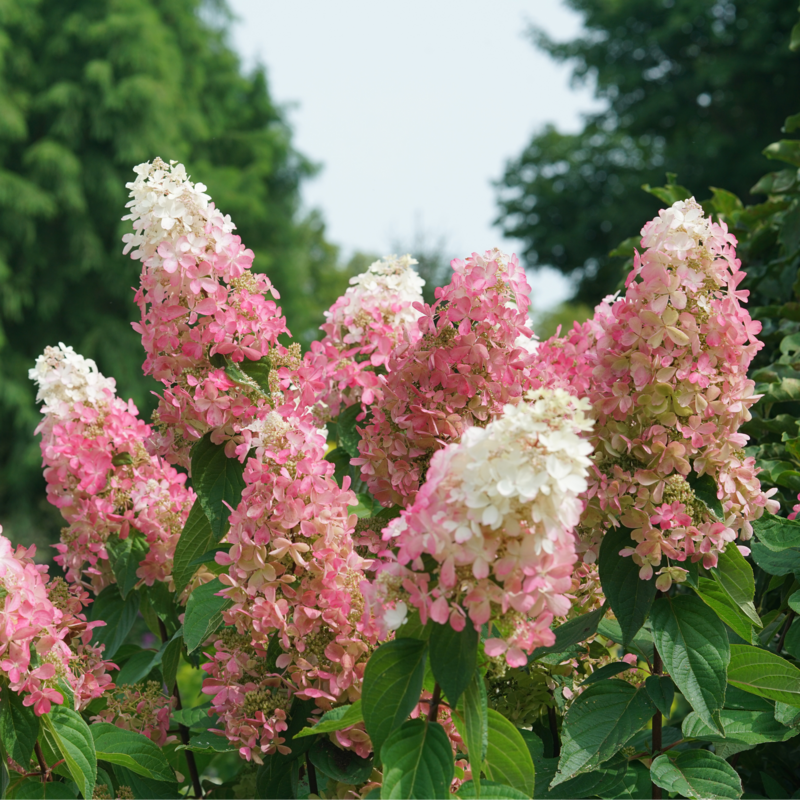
(413, 109)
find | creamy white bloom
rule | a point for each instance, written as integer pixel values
(679, 229)
(65, 377)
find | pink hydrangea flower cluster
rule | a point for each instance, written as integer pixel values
(495, 520)
(45, 650)
(669, 392)
(99, 474)
(474, 356)
(203, 310)
(362, 328)
(142, 708)
(294, 577)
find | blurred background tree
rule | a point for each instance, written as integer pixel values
(88, 89)
(694, 87)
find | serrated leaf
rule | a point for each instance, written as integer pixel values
(196, 538)
(453, 655)
(599, 722)
(218, 482)
(765, 674)
(119, 616)
(392, 685)
(697, 774)
(125, 556)
(19, 726)
(489, 790)
(131, 750)
(748, 727)
(570, 633)
(508, 759)
(74, 740)
(203, 614)
(336, 719)
(629, 597)
(417, 761)
(662, 692)
(694, 647)
(716, 598)
(340, 765)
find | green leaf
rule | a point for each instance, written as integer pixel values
(119, 616)
(716, 598)
(364, 507)
(418, 761)
(277, 777)
(137, 667)
(454, 655)
(340, 459)
(787, 715)
(705, 489)
(413, 628)
(599, 722)
(765, 674)
(694, 647)
(475, 710)
(787, 150)
(74, 740)
(735, 576)
(662, 693)
(630, 597)
(392, 685)
(668, 194)
(170, 660)
(208, 742)
(570, 633)
(196, 538)
(131, 750)
(218, 482)
(748, 727)
(777, 533)
(125, 556)
(34, 789)
(235, 372)
(257, 371)
(794, 39)
(642, 645)
(697, 774)
(203, 614)
(489, 790)
(784, 562)
(608, 671)
(794, 601)
(792, 123)
(19, 726)
(146, 788)
(335, 720)
(508, 759)
(340, 765)
(349, 437)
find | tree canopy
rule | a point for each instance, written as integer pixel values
(89, 89)
(693, 87)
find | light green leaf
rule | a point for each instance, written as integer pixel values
(125, 556)
(735, 576)
(787, 150)
(475, 710)
(196, 538)
(748, 727)
(74, 740)
(599, 722)
(336, 719)
(489, 790)
(417, 761)
(19, 726)
(131, 750)
(203, 614)
(697, 774)
(453, 655)
(794, 601)
(765, 674)
(694, 647)
(716, 598)
(218, 482)
(119, 616)
(392, 685)
(570, 633)
(207, 742)
(787, 715)
(508, 759)
(777, 533)
(629, 597)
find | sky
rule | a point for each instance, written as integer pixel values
(412, 110)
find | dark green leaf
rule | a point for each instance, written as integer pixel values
(735, 576)
(196, 539)
(765, 674)
(277, 778)
(784, 562)
(392, 685)
(119, 616)
(334, 720)
(787, 715)
(131, 750)
(418, 761)
(474, 708)
(489, 790)
(74, 740)
(608, 671)
(694, 647)
(413, 628)
(137, 667)
(257, 371)
(34, 789)
(599, 722)
(572, 632)
(787, 150)
(218, 482)
(508, 759)
(349, 437)
(19, 726)
(203, 614)
(125, 556)
(748, 727)
(340, 765)
(146, 788)
(170, 660)
(662, 692)
(630, 597)
(777, 533)
(208, 742)
(716, 598)
(340, 459)
(697, 774)
(453, 655)
(642, 645)
(705, 489)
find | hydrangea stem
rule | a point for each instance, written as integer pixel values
(312, 776)
(433, 708)
(42, 763)
(657, 744)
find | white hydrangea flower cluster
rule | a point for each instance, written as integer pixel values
(65, 377)
(678, 229)
(166, 205)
